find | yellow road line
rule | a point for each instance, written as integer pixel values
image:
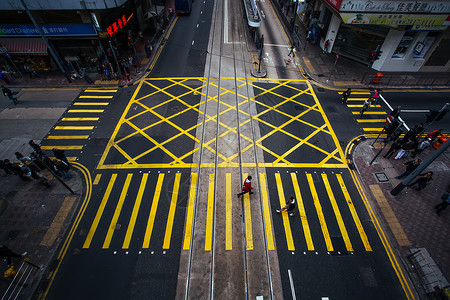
(337, 213)
(152, 215)
(62, 147)
(371, 120)
(171, 216)
(190, 213)
(358, 93)
(53, 231)
(357, 99)
(90, 103)
(137, 204)
(209, 213)
(349, 201)
(308, 64)
(112, 225)
(389, 215)
(97, 179)
(370, 113)
(74, 127)
(67, 137)
(322, 222)
(248, 219)
(96, 97)
(285, 216)
(361, 105)
(79, 119)
(100, 91)
(266, 210)
(301, 209)
(373, 129)
(228, 213)
(100, 210)
(85, 110)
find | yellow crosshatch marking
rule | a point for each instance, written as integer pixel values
(188, 95)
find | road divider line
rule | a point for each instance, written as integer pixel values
(228, 213)
(284, 214)
(361, 105)
(190, 213)
(100, 91)
(337, 213)
(266, 209)
(99, 213)
(152, 215)
(349, 201)
(209, 213)
(301, 209)
(97, 179)
(137, 204)
(113, 224)
(171, 216)
(319, 211)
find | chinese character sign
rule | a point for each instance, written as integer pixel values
(118, 25)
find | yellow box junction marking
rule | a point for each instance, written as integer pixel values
(58, 222)
(79, 119)
(74, 127)
(248, 219)
(171, 216)
(137, 204)
(152, 215)
(209, 213)
(100, 210)
(337, 213)
(190, 213)
(67, 137)
(301, 209)
(228, 213)
(349, 201)
(389, 215)
(85, 110)
(266, 210)
(97, 179)
(322, 222)
(112, 225)
(284, 215)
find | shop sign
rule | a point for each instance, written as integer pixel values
(435, 7)
(48, 30)
(427, 28)
(335, 3)
(394, 19)
(118, 25)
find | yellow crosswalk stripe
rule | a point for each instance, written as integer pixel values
(285, 216)
(74, 127)
(266, 210)
(301, 208)
(322, 222)
(361, 105)
(349, 201)
(67, 137)
(100, 91)
(79, 119)
(152, 215)
(358, 93)
(248, 219)
(90, 103)
(371, 120)
(370, 113)
(171, 216)
(76, 147)
(137, 204)
(99, 213)
(337, 213)
(373, 129)
(112, 225)
(228, 213)
(357, 99)
(96, 97)
(85, 110)
(209, 214)
(97, 179)
(190, 213)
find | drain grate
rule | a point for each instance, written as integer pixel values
(381, 177)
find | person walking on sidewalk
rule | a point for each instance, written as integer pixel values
(247, 187)
(148, 48)
(7, 92)
(366, 105)
(6, 252)
(289, 207)
(443, 205)
(292, 51)
(394, 148)
(410, 166)
(345, 95)
(423, 180)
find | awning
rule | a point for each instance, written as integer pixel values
(24, 46)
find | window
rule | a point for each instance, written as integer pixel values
(404, 44)
(427, 42)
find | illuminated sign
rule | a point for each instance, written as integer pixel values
(394, 19)
(118, 25)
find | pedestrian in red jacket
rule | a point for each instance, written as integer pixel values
(247, 188)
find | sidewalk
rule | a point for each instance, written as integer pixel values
(409, 219)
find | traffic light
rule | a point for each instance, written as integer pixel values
(377, 54)
(442, 113)
(390, 129)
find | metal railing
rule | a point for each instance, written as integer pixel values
(416, 79)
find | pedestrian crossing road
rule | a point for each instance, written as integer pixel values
(150, 210)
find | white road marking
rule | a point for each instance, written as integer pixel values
(192, 43)
(197, 25)
(415, 110)
(275, 45)
(225, 23)
(292, 285)
(390, 107)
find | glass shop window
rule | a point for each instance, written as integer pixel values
(404, 44)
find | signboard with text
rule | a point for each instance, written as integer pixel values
(48, 30)
(410, 7)
(394, 19)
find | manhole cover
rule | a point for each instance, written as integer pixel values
(381, 177)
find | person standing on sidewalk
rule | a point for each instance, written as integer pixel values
(7, 92)
(422, 146)
(394, 148)
(292, 51)
(289, 207)
(366, 105)
(443, 205)
(101, 73)
(409, 145)
(63, 168)
(410, 166)
(345, 95)
(6, 252)
(423, 180)
(36, 148)
(148, 49)
(247, 188)
(59, 154)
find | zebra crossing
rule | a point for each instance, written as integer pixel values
(155, 210)
(76, 126)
